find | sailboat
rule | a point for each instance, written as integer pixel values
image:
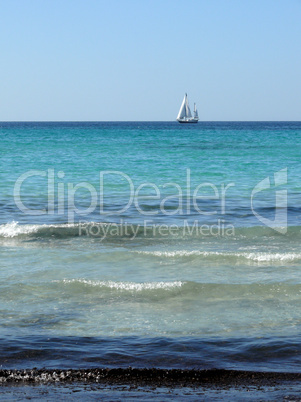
(184, 115)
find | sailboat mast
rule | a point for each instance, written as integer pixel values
(196, 116)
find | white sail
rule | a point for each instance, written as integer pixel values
(184, 115)
(182, 111)
(196, 116)
(188, 111)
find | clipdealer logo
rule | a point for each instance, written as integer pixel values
(62, 196)
(279, 223)
(61, 200)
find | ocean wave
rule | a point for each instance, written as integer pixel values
(199, 291)
(273, 257)
(126, 286)
(35, 232)
(112, 231)
(225, 256)
(14, 229)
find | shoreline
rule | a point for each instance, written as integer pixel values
(150, 377)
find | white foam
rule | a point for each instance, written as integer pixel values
(179, 253)
(266, 257)
(130, 286)
(260, 256)
(13, 229)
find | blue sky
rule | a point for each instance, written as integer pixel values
(135, 59)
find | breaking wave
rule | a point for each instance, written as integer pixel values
(225, 256)
(126, 286)
(198, 291)
(111, 230)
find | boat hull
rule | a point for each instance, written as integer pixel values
(188, 121)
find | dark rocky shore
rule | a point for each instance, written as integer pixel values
(151, 377)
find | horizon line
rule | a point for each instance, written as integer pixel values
(147, 121)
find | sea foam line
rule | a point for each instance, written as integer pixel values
(130, 286)
(259, 256)
(14, 229)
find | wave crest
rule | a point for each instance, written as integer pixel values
(226, 256)
(127, 286)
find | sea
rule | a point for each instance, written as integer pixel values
(150, 244)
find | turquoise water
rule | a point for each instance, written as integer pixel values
(150, 244)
